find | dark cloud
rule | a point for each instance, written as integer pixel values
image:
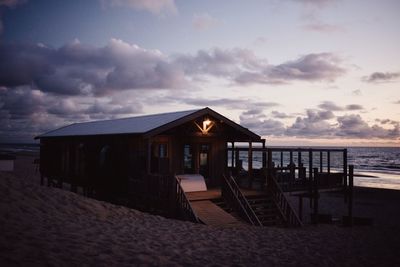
(280, 115)
(331, 106)
(243, 67)
(25, 113)
(77, 69)
(312, 67)
(379, 77)
(320, 124)
(353, 126)
(397, 102)
(315, 124)
(354, 107)
(258, 122)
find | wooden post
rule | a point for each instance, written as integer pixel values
(329, 161)
(310, 173)
(250, 163)
(345, 173)
(320, 161)
(264, 155)
(315, 195)
(233, 154)
(298, 158)
(237, 158)
(291, 157)
(269, 174)
(350, 193)
(281, 158)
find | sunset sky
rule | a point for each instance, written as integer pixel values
(298, 72)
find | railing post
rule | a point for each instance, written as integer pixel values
(350, 193)
(320, 161)
(315, 195)
(345, 173)
(264, 155)
(329, 161)
(269, 174)
(233, 154)
(250, 164)
(310, 173)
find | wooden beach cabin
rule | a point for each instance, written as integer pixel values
(154, 162)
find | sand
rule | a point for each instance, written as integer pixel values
(49, 226)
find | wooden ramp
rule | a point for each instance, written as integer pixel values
(210, 214)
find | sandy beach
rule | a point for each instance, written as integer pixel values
(48, 226)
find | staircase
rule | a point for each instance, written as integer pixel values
(265, 209)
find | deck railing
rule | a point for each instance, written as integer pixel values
(289, 215)
(233, 196)
(184, 210)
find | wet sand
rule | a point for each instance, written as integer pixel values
(48, 226)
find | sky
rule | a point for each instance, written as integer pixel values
(297, 72)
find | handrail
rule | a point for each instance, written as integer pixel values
(183, 206)
(289, 215)
(232, 194)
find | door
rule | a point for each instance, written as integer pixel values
(204, 160)
(188, 162)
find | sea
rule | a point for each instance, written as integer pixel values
(377, 167)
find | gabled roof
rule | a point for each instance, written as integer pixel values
(148, 125)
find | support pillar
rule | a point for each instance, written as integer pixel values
(250, 163)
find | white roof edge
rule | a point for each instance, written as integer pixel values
(153, 121)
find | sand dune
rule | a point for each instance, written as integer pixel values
(49, 226)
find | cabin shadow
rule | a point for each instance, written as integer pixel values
(189, 165)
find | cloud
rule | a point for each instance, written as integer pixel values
(353, 126)
(25, 113)
(381, 77)
(396, 102)
(354, 107)
(280, 115)
(77, 69)
(257, 121)
(244, 67)
(204, 21)
(311, 67)
(331, 106)
(152, 6)
(320, 124)
(319, 26)
(357, 92)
